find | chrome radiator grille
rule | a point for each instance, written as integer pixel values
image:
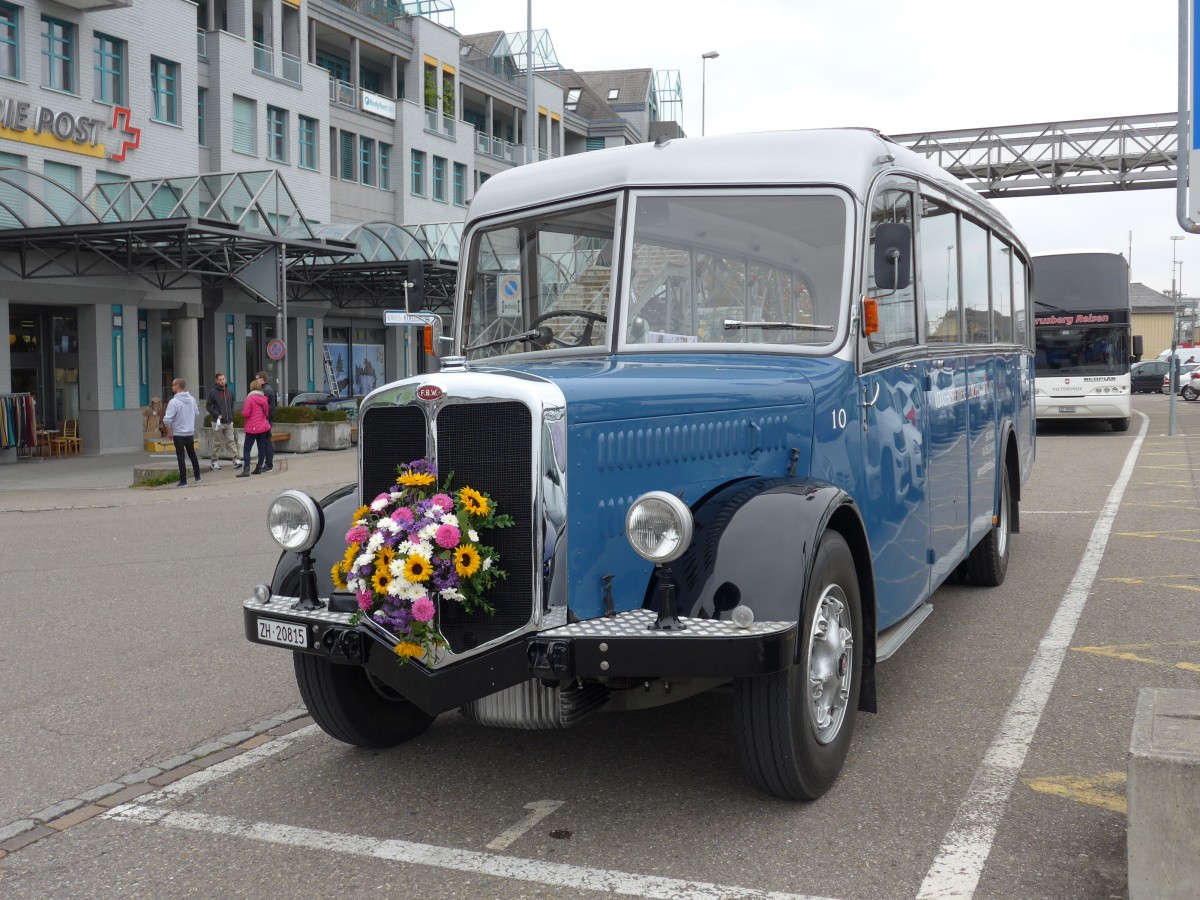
(488, 446)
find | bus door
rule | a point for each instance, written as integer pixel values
(947, 465)
(982, 454)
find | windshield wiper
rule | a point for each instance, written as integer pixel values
(540, 335)
(1051, 307)
(731, 324)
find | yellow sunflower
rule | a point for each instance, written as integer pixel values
(385, 557)
(381, 580)
(351, 555)
(473, 501)
(415, 479)
(360, 513)
(339, 576)
(466, 561)
(417, 568)
(406, 650)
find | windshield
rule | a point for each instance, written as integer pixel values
(736, 269)
(719, 268)
(1081, 351)
(541, 283)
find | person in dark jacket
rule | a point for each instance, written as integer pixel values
(269, 393)
(219, 405)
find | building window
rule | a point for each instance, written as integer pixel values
(10, 41)
(277, 130)
(367, 160)
(333, 151)
(460, 184)
(439, 178)
(336, 66)
(385, 166)
(62, 205)
(164, 84)
(58, 54)
(613, 93)
(110, 69)
(308, 143)
(594, 143)
(243, 126)
(201, 115)
(348, 161)
(418, 172)
(573, 98)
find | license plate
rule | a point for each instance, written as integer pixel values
(1066, 409)
(287, 633)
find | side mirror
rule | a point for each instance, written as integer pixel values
(415, 295)
(893, 256)
(1137, 346)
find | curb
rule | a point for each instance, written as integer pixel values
(90, 803)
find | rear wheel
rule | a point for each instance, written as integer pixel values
(793, 728)
(1189, 393)
(988, 562)
(353, 707)
(1119, 424)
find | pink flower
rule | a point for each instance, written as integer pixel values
(422, 609)
(443, 501)
(447, 537)
(364, 601)
(357, 534)
(403, 514)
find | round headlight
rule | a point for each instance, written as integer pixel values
(659, 526)
(295, 521)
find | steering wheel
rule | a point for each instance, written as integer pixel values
(585, 339)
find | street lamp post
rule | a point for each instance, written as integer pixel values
(1173, 367)
(704, 57)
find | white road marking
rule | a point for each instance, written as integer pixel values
(574, 878)
(959, 864)
(541, 809)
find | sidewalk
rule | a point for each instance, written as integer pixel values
(106, 479)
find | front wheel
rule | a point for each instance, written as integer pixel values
(793, 728)
(1119, 424)
(351, 706)
(1189, 393)
(988, 562)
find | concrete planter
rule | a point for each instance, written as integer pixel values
(204, 442)
(302, 437)
(333, 435)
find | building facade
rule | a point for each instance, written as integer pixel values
(299, 117)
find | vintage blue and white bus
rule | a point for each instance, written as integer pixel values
(750, 400)
(1082, 336)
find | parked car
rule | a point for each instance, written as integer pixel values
(319, 399)
(1189, 381)
(1147, 376)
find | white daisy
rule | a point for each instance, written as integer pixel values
(473, 535)
(379, 503)
(450, 519)
(487, 563)
(453, 594)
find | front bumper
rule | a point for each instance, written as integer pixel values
(621, 646)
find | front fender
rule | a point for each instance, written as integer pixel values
(338, 508)
(754, 545)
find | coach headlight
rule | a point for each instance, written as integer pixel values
(296, 521)
(659, 526)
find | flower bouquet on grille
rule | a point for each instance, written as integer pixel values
(415, 546)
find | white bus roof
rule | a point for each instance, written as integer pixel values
(850, 157)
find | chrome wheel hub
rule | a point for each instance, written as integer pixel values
(830, 663)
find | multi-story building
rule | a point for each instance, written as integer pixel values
(171, 173)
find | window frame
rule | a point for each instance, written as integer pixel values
(366, 161)
(202, 115)
(251, 106)
(10, 35)
(385, 166)
(52, 60)
(103, 76)
(277, 134)
(347, 156)
(439, 178)
(417, 170)
(459, 191)
(164, 84)
(307, 152)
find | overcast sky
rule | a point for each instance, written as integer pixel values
(901, 67)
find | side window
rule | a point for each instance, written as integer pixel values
(975, 304)
(897, 309)
(1020, 313)
(939, 272)
(1002, 313)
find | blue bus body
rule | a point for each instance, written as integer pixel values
(746, 426)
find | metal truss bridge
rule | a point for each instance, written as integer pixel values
(1088, 155)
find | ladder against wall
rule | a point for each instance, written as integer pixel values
(331, 385)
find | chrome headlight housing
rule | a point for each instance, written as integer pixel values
(659, 526)
(295, 521)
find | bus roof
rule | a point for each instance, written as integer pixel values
(850, 157)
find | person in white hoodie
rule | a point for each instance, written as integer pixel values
(180, 421)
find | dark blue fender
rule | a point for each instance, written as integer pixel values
(338, 507)
(754, 544)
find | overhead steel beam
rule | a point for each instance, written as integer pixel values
(1086, 155)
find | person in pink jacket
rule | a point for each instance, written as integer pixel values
(255, 412)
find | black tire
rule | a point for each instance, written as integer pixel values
(783, 747)
(988, 562)
(354, 708)
(1189, 393)
(1119, 424)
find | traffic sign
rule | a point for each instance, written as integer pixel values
(400, 317)
(276, 349)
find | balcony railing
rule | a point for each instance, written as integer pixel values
(498, 148)
(201, 44)
(448, 126)
(341, 93)
(289, 68)
(431, 118)
(264, 58)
